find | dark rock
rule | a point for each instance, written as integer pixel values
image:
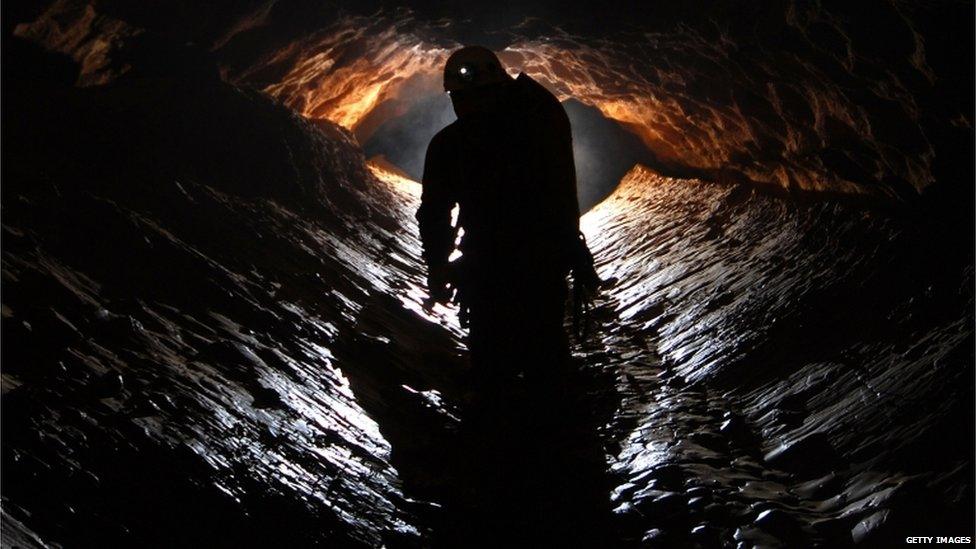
(676, 381)
(788, 418)
(833, 529)
(109, 384)
(868, 530)
(697, 503)
(668, 475)
(629, 517)
(657, 537)
(716, 512)
(819, 487)
(712, 441)
(706, 534)
(144, 408)
(748, 536)
(736, 429)
(669, 503)
(794, 402)
(811, 454)
(623, 492)
(778, 523)
(653, 535)
(266, 398)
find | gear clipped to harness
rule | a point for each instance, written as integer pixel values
(586, 284)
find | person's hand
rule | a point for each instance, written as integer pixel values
(586, 281)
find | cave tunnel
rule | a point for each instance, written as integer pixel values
(215, 322)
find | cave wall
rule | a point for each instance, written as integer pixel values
(797, 374)
(837, 98)
(863, 98)
(201, 284)
(186, 267)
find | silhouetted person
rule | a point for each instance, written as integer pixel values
(507, 162)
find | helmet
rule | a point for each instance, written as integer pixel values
(472, 67)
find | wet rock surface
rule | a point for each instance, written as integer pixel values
(182, 264)
(214, 336)
(822, 417)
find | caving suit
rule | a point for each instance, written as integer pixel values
(510, 169)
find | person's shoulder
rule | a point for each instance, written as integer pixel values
(540, 99)
(443, 138)
(526, 80)
(530, 85)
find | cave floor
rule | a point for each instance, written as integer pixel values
(197, 357)
(622, 452)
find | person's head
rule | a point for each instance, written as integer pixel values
(470, 75)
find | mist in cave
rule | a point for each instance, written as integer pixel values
(214, 320)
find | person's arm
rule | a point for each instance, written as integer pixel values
(434, 216)
(580, 258)
(564, 199)
(566, 176)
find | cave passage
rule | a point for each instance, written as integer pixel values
(213, 310)
(604, 150)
